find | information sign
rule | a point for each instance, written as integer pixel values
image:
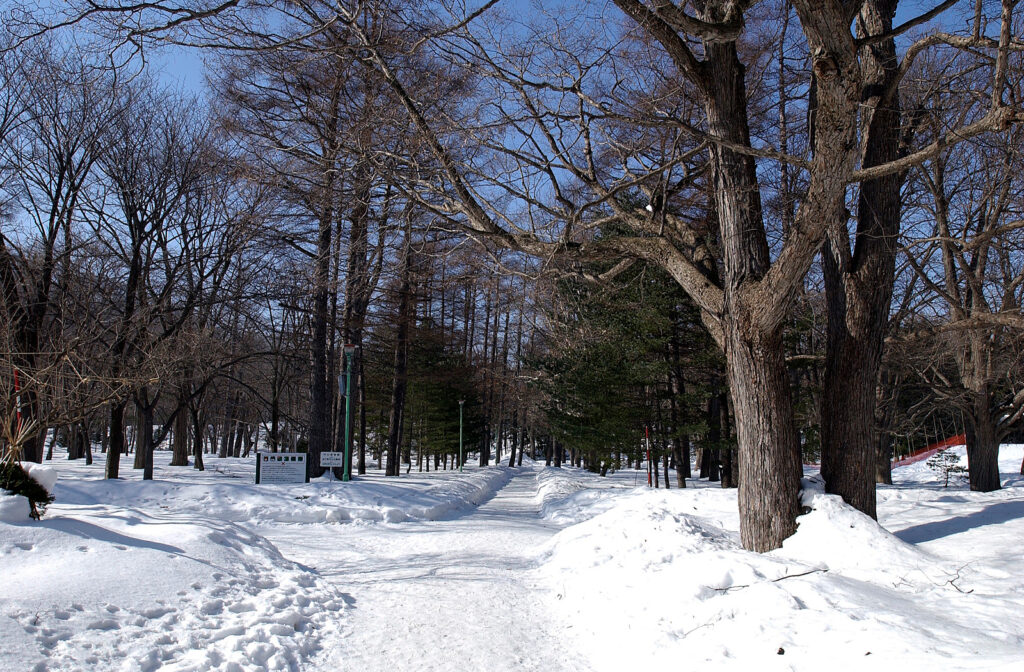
(278, 468)
(332, 459)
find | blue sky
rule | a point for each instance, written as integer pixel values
(184, 67)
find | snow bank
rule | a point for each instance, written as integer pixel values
(838, 537)
(660, 577)
(13, 508)
(113, 588)
(567, 496)
(229, 487)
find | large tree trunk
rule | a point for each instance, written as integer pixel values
(32, 446)
(145, 439)
(87, 442)
(140, 432)
(179, 458)
(361, 462)
(681, 456)
(859, 287)
(769, 451)
(514, 446)
(982, 446)
(116, 439)
(398, 388)
(883, 458)
(197, 439)
(884, 417)
(769, 455)
(227, 437)
(729, 469)
(241, 430)
(72, 436)
(275, 417)
(320, 397)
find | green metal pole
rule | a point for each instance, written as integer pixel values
(461, 402)
(348, 410)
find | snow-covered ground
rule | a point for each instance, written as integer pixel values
(503, 569)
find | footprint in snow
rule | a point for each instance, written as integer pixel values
(156, 612)
(212, 607)
(104, 624)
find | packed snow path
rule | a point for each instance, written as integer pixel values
(453, 594)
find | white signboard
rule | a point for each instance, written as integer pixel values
(277, 468)
(332, 459)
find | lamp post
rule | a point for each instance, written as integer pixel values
(461, 403)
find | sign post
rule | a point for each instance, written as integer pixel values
(332, 459)
(281, 468)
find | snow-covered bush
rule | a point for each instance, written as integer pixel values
(18, 481)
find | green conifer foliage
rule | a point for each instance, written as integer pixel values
(17, 481)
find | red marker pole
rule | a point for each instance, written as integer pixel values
(647, 433)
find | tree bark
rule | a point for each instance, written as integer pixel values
(197, 439)
(858, 288)
(87, 442)
(144, 445)
(116, 439)
(769, 456)
(982, 445)
(179, 458)
(398, 388)
(709, 464)
(682, 459)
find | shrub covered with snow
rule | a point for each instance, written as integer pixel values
(18, 481)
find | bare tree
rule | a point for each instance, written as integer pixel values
(151, 216)
(746, 307)
(969, 261)
(62, 110)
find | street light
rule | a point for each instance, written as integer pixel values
(461, 403)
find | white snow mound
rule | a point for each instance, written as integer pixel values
(13, 508)
(44, 475)
(108, 590)
(836, 536)
(842, 594)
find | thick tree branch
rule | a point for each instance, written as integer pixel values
(906, 26)
(997, 119)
